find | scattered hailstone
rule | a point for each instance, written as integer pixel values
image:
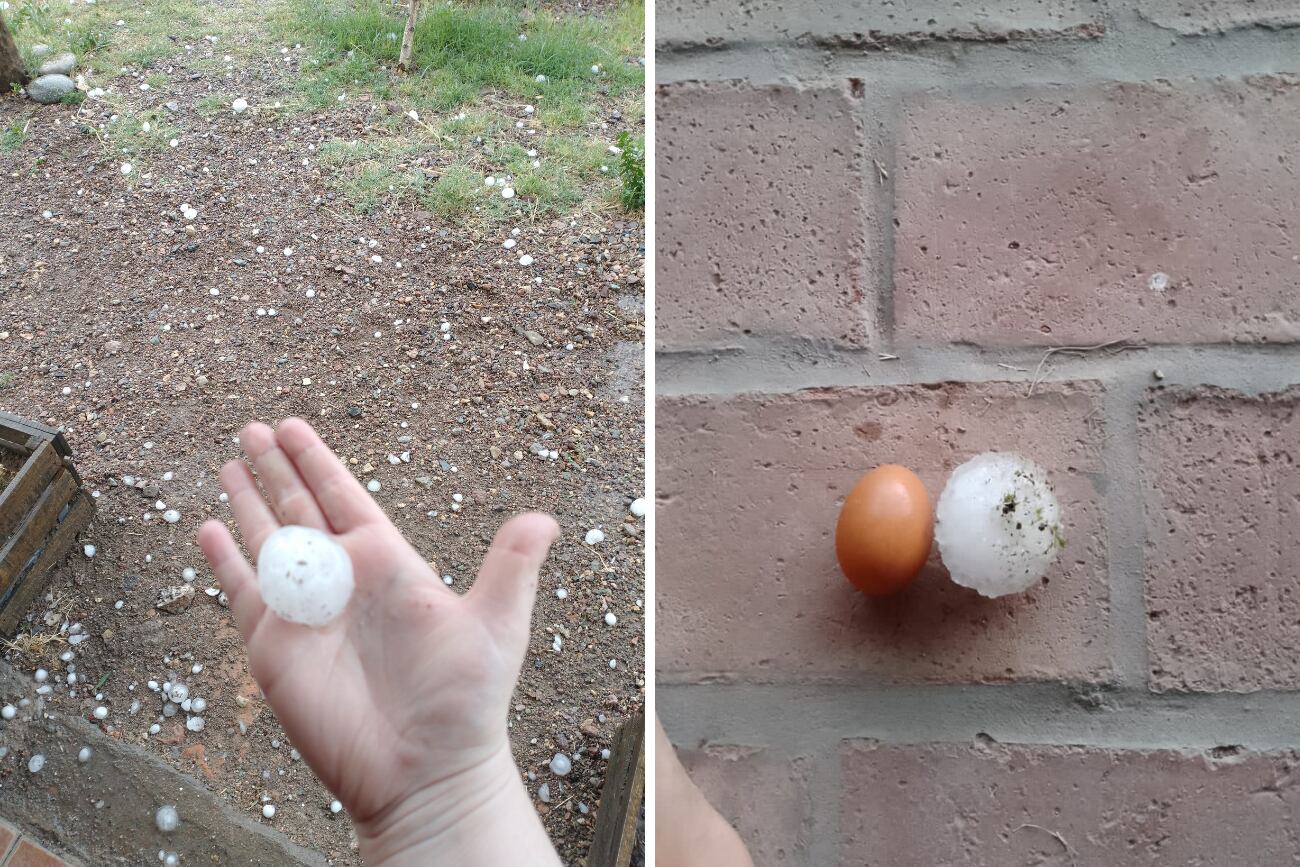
(83, 755)
(41, 675)
(604, 754)
(336, 807)
(194, 724)
(304, 575)
(154, 729)
(610, 619)
(101, 712)
(167, 818)
(540, 79)
(90, 551)
(239, 106)
(189, 574)
(8, 712)
(595, 537)
(36, 763)
(489, 181)
(509, 243)
(525, 260)
(560, 765)
(268, 811)
(178, 692)
(198, 705)
(372, 486)
(171, 516)
(126, 168)
(595, 68)
(508, 193)
(998, 524)
(638, 507)
(170, 859)
(561, 593)
(544, 793)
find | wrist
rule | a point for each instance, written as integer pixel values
(481, 816)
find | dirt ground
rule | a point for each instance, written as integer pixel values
(153, 339)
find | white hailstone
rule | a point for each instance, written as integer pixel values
(126, 168)
(186, 705)
(118, 604)
(1159, 281)
(557, 643)
(101, 712)
(239, 106)
(44, 689)
(178, 692)
(537, 164)
(458, 497)
(167, 818)
(288, 251)
(173, 143)
(304, 575)
(540, 78)
(413, 114)
(528, 109)
(311, 293)
(74, 640)
(604, 754)
(268, 811)
(171, 859)
(171, 516)
(72, 678)
(544, 793)
(135, 707)
(525, 260)
(372, 486)
(194, 724)
(489, 181)
(224, 498)
(595, 68)
(336, 807)
(154, 729)
(41, 675)
(638, 507)
(169, 709)
(509, 243)
(67, 656)
(613, 663)
(583, 808)
(196, 668)
(508, 193)
(561, 593)
(36, 763)
(8, 712)
(198, 705)
(168, 476)
(447, 579)
(188, 573)
(89, 550)
(560, 765)
(595, 537)
(610, 619)
(83, 755)
(998, 524)
(153, 685)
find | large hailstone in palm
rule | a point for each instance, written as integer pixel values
(998, 524)
(304, 575)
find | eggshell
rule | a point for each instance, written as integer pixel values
(885, 528)
(304, 575)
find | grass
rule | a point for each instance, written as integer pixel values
(631, 169)
(471, 77)
(13, 136)
(7, 380)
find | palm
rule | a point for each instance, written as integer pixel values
(411, 684)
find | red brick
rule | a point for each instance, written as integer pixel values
(750, 488)
(1222, 513)
(999, 805)
(760, 224)
(763, 795)
(8, 834)
(876, 24)
(1195, 17)
(28, 854)
(1041, 217)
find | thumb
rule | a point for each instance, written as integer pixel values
(506, 585)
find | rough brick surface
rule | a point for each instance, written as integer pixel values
(1045, 217)
(1195, 17)
(749, 491)
(1000, 805)
(760, 225)
(763, 795)
(870, 24)
(28, 854)
(7, 837)
(1222, 482)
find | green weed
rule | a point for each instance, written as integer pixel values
(13, 136)
(631, 169)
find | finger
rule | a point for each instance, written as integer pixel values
(292, 501)
(506, 585)
(235, 575)
(345, 503)
(255, 519)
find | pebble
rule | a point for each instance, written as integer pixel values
(49, 89)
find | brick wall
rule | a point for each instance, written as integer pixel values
(878, 223)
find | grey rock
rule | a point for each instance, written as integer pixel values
(39, 50)
(534, 338)
(49, 89)
(59, 64)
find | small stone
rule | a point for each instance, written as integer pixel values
(175, 599)
(49, 89)
(534, 338)
(354, 412)
(589, 728)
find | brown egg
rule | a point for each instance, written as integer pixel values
(883, 535)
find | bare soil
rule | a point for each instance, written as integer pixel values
(162, 332)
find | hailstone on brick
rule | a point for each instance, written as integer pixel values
(998, 524)
(304, 575)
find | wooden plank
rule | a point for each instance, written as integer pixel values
(19, 430)
(31, 534)
(15, 602)
(621, 800)
(25, 488)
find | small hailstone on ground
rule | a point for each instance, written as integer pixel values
(613, 663)
(336, 807)
(196, 668)
(544, 793)
(178, 692)
(198, 705)
(67, 656)
(638, 507)
(604, 754)
(154, 729)
(83, 755)
(595, 67)
(224, 498)
(413, 114)
(557, 643)
(525, 260)
(561, 765)
(37, 762)
(561, 593)
(268, 811)
(489, 181)
(540, 78)
(509, 243)
(41, 675)
(126, 168)
(194, 724)
(167, 818)
(610, 619)
(239, 105)
(188, 573)
(447, 579)
(508, 193)
(595, 537)
(101, 712)
(304, 575)
(171, 516)
(998, 524)
(8, 712)
(171, 859)
(90, 551)
(372, 485)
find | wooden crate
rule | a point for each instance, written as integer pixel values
(621, 800)
(42, 509)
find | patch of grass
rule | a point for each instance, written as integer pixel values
(13, 136)
(455, 192)
(7, 380)
(73, 97)
(158, 81)
(373, 171)
(134, 135)
(631, 169)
